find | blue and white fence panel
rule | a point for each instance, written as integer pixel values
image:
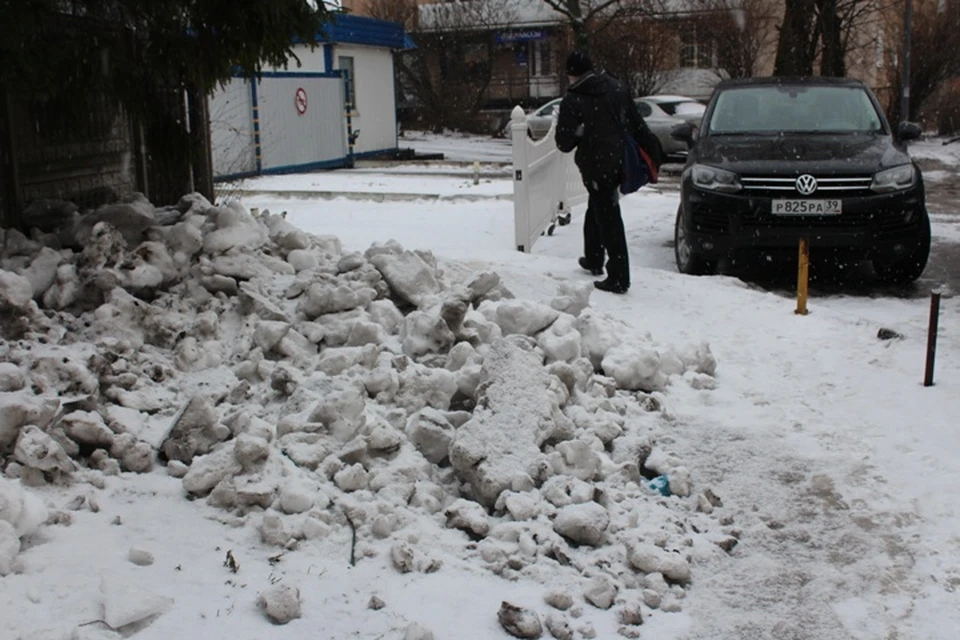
(280, 123)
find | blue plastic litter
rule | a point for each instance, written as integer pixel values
(661, 484)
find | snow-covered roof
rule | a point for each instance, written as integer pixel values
(495, 14)
(499, 14)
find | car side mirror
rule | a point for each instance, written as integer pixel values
(909, 131)
(685, 132)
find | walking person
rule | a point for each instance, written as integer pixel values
(594, 116)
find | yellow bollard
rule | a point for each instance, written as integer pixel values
(803, 269)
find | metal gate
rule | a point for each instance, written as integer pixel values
(281, 123)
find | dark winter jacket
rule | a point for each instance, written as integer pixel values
(593, 116)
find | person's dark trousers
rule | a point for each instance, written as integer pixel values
(592, 243)
(603, 231)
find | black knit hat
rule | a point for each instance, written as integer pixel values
(578, 64)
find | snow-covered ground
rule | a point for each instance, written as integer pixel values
(458, 147)
(814, 477)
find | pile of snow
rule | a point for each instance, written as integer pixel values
(21, 515)
(305, 389)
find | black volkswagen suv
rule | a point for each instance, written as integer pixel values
(778, 159)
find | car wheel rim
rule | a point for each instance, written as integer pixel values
(683, 249)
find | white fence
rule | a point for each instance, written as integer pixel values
(302, 121)
(280, 123)
(546, 183)
(231, 129)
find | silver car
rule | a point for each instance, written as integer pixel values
(540, 121)
(662, 113)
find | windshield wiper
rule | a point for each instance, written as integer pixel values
(819, 132)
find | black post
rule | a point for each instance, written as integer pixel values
(9, 168)
(141, 172)
(201, 154)
(932, 337)
(905, 89)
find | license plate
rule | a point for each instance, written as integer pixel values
(806, 207)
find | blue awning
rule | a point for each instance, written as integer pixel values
(352, 29)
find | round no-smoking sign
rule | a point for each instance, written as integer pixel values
(300, 100)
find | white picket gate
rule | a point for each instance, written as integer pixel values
(546, 183)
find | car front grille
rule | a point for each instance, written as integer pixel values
(711, 221)
(884, 220)
(827, 186)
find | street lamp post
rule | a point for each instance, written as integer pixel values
(905, 88)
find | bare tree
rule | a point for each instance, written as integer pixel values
(403, 11)
(587, 18)
(743, 32)
(935, 55)
(637, 52)
(449, 71)
(827, 31)
(797, 46)
(847, 26)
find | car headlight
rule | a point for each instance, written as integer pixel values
(714, 179)
(895, 179)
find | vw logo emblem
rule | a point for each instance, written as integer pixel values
(806, 184)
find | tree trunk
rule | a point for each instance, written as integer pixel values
(581, 37)
(202, 158)
(832, 61)
(573, 12)
(794, 51)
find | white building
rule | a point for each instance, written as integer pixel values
(334, 102)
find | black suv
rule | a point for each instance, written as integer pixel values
(778, 159)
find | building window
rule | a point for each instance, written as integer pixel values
(521, 53)
(475, 61)
(546, 58)
(697, 48)
(345, 64)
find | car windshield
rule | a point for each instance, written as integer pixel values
(795, 109)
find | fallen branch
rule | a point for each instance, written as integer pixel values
(353, 542)
(103, 622)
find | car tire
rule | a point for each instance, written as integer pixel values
(907, 269)
(689, 260)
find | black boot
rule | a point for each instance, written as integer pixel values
(594, 270)
(611, 285)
